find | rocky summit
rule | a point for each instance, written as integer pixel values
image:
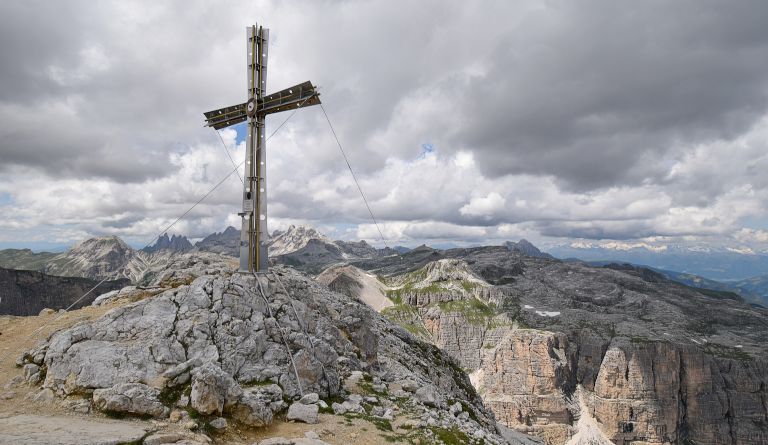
(241, 350)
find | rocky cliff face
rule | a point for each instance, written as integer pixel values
(25, 292)
(581, 354)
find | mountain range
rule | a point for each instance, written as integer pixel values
(309, 250)
(722, 264)
(578, 353)
(572, 352)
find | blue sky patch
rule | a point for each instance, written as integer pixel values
(242, 132)
(426, 149)
(5, 199)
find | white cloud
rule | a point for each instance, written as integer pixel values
(486, 206)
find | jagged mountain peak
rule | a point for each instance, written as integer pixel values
(294, 238)
(227, 242)
(176, 243)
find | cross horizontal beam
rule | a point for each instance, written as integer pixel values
(225, 117)
(298, 96)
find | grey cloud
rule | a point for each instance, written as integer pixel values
(594, 95)
(585, 92)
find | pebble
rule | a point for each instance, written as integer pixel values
(218, 423)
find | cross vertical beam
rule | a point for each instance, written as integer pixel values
(253, 231)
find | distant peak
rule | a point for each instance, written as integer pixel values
(294, 238)
(101, 240)
(526, 248)
(176, 243)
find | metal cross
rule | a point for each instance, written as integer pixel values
(253, 232)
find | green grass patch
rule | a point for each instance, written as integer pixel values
(729, 352)
(379, 423)
(170, 395)
(254, 383)
(474, 310)
(469, 286)
(453, 436)
(408, 318)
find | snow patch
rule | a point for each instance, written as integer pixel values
(547, 313)
(528, 306)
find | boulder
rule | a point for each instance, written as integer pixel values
(427, 395)
(310, 398)
(303, 413)
(131, 398)
(212, 389)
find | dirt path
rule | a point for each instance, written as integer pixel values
(16, 337)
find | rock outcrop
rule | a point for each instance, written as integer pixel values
(42, 430)
(219, 347)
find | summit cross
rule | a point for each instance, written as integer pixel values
(253, 231)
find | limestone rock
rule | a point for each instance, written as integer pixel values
(42, 430)
(135, 398)
(236, 353)
(45, 395)
(310, 398)
(428, 396)
(303, 413)
(162, 438)
(218, 423)
(213, 389)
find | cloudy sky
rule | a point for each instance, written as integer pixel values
(467, 122)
